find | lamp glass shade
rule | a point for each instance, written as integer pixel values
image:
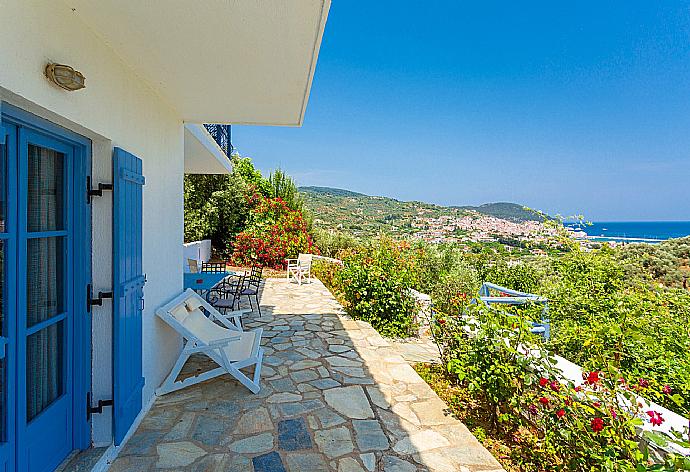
(65, 76)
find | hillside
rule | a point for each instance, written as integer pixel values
(504, 210)
(365, 215)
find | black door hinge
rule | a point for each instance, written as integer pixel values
(90, 301)
(98, 192)
(90, 410)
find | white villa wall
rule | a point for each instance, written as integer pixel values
(115, 109)
(200, 251)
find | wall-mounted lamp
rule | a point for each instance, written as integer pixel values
(65, 77)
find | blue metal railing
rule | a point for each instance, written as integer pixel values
(222, 135)
(515, 297)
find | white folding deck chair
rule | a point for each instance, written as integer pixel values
(300, 268)
(229, 347)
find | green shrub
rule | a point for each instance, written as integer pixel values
(333, 243)
(374, 283)
(275, 233)
(553, 425)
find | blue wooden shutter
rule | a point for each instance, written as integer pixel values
(128, 287)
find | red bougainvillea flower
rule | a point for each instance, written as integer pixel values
(544, 401)
(593, 377)
(596, 404)
(655, 418)
(532, 409)
(555, 386)
(666, 390)
(578, 388)
(560, 413)
(441, 321)
(644, 383)
(568, 402)
(543, 382)
(597, 424)
(614, 415)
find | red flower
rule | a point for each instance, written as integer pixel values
(596, 404)
(544, 401)
(593, 377)
(543, 382)
(560, 413)
(655, 418)
(666, 390)
(578, 388)
(532, 409)
(614, 415)
(555, 386)
(597, 424)
(442, 321)
(644, 383)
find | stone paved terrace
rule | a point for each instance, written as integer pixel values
(335, 396)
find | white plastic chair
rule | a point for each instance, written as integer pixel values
(300, 268)
(229, 347)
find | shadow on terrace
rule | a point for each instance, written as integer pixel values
(335, 396)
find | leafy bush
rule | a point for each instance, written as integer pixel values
(455, 288)
(280, 185)
(231, 211)
(274, 233)
(215, 208)
(551, 424)
(374, 283)
(599, 316)
(331, 244)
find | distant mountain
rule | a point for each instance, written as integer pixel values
(338, 192)
(366, 215)
(505, 210)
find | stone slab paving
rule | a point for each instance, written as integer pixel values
(335, 396)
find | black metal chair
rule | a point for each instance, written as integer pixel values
(225, 296)
(251, 288)
(213, 267)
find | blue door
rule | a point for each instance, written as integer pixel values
(8, 361)
(128, 299)
(45, 247)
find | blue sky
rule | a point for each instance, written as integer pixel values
(577, 108)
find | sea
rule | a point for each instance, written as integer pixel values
(636, 231)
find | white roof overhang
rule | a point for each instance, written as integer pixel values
(218, 61)
(202, 155)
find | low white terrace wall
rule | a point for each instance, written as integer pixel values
(197, 250)
(423, 313)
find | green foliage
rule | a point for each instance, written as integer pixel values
(229, 210)
(332, 243)
(282, 186)
(600, 314)
(374, 284)
(275, 232)
(550, 423)
(244, 169)
(214, 208)
(667, 262)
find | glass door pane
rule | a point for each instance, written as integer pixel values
(46, 275)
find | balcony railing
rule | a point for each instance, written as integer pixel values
(222, 135)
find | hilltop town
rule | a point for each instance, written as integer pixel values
(362, 215)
